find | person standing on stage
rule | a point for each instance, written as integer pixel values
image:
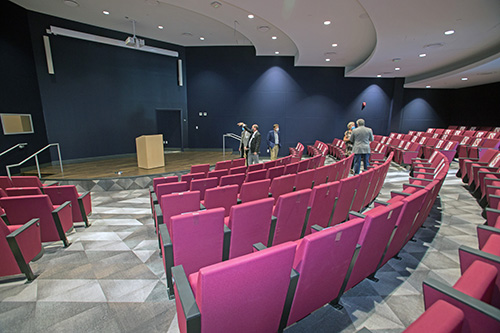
(361, 138)
(245, 137)
(253, 147)
(274, 141)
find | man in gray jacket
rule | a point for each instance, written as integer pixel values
(361, 138)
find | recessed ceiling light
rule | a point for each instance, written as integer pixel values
(421, 55)
(335, 45)
(327, 22)
(427, 86)
(274, 37)
(215, 4)
(277, 52)
(187, 34)
(397, 69)
(251, 16)
(465, 79)
(105, 12)
(379, 75)
(160, 27)
(71, 3)
(433, 45)
(202, 38)
(449, 32)
(396, 59)
(327, 59)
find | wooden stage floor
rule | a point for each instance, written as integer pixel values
(111, 168)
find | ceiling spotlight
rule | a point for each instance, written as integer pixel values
(215, 4)
(187, 34)
(202, 38)
(327, 59)
(449, 32)
(379, 75)
(105, 12)
(71, 3)
(277, 52)
(274, 37)
(421, 55)
(251, 16)
(160, 27)
(427, 86)
(327, 22)
(465, 79)
(335, 45)
(397, 69)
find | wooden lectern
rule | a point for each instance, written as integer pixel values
(150, 151)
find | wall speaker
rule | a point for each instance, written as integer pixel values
(48, 54)
(179, 73)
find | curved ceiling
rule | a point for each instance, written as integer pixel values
(369, 38)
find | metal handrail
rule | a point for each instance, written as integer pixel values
(228, 135)
(20, 145)
(35, 155)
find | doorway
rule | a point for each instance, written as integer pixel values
(169, 123)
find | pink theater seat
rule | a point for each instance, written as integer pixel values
(55, 221)
(379, 173)
(245, 294)
(335, 169)
(365, 179)
(223, 165)
(347, 191)
(269, 164)
(440, 317)
(320, 207)
(256, 175)
(238, 170)
(162, 180)
(190, 176)
(321, 174)
(17, 191)
(237, 179)
(274, 172)
(304, 180)
(81, 204)
(5, 182)
(281, 185)
(303, 165)
(203, 184)
(200, 168)
(322, 259)
(222, 196)
(28, 181)
(377, 231)
(250, 223)
(238, 162)
(255, 167)
(218, 173)
(470, 294)
(19, 244)
(254, 190)
(164, 189)
(196, 241)
(291, 169)
(289, 216)
(175, 204)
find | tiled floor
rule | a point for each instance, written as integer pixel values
(111, 277)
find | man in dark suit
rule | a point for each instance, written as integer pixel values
(361, 138)
(253, 146)
(274, 141)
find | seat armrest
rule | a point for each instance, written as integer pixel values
(25, 226)
(58, 209)
(317, 228)
(353, 214)
(412, 185)
(202, 207)
(226, 243)
(292, 287)
(395, 193)
(187, 300)
(83, 195)
(238, 201)
(57, 222)
(424, 173)
(423, 179)
(167, 251)
(159, 215)
(16, 250)
(5, 219)
(378, 203)
(259, 247)
(54, 183)
(151, 189)
(274, 219)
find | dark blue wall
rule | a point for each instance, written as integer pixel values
(231, 84)
(102, 97)
(18, 84)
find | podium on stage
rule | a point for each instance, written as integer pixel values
(150, 151)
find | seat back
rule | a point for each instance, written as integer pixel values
(255, 167)
(256, 175)
(17, 191)
(62, 193)
(335, 170)
(362, 190)
(269, 164)
(282, 185)
(290, 211)
(238, 162)
(198, 239)
(26, 181)
(378, 173)
(321, 203)
(375, 235)
(322, 260)
(347, 166)
(274, 172)
(222, 165)
(304, 180)
(218, 173)
(303, 165)
(170, 188)
(203, 184)
(163, 180)
(238, 170)
(237, 179)
(190, 176)
(222, 196)
(178, 203)
(258, 189)
(321, 174)
(291, 168)
(222, 290)
(5, 182)
(250, 223)
(200, 168)
(347, 191)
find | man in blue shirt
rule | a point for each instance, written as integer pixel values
(274, 141)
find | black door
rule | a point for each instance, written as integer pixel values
(169, 124)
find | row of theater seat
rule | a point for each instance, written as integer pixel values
(297, 151)
(284, 283)
(32, 213)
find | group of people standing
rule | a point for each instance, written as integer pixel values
(357, 140)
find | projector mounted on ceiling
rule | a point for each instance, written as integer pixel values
(133, 40)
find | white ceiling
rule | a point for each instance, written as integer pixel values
(369, 34)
